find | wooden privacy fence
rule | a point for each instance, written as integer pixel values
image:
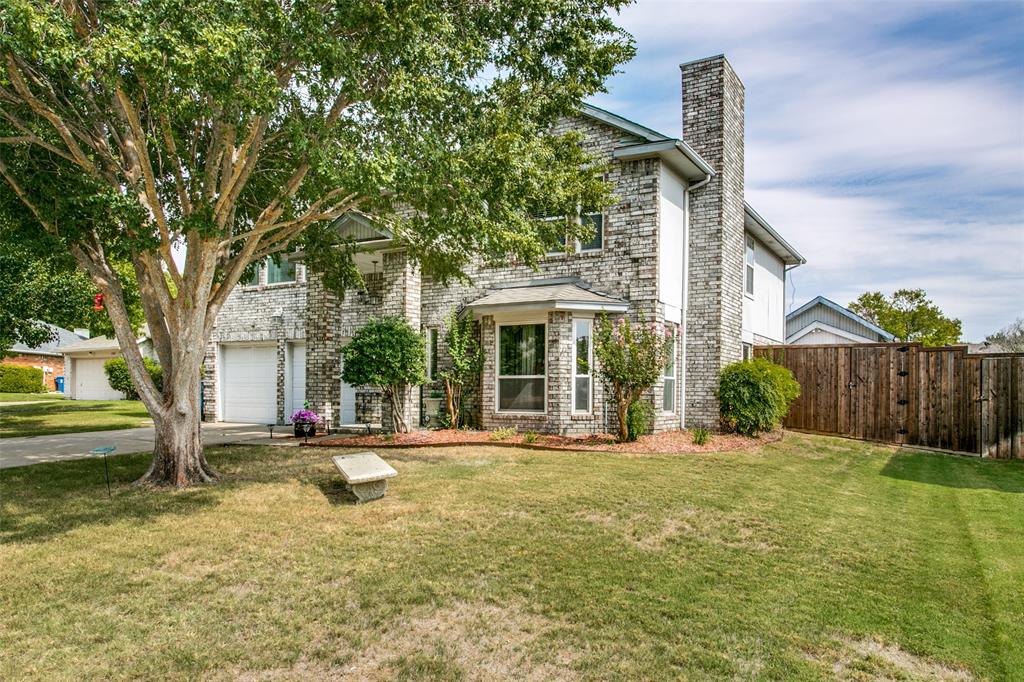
(904, 393)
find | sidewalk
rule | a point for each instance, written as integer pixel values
(19, 452)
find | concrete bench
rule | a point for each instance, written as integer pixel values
(365, 474)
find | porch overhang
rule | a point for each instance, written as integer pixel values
(558, 296)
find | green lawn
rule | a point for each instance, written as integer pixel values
(813, 558)
(20, 397)
(70, 416)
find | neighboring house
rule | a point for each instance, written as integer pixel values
(83, 361)
(823, 322)
(48, 356)
(681, 247)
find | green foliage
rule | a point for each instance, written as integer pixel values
(639, 419)
(466, 361)
(120, 378)
(442, 108)
(754, 395)
(503, 433)
(387, 353)
(1010, 338)
(701, 436)
(48, 287)
(17, 379)
(630, 357)
(530, 437)
(909, 315)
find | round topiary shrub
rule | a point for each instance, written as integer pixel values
(754, 395)
(120, 378)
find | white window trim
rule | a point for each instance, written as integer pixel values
(590, 365)
(750, 242)
(497, 370)
(674, 377)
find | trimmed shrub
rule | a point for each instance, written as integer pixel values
(639, 418)
(18, 379)
(755, 395)
(390, 354)
(120, 378)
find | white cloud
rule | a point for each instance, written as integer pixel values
(890, 155)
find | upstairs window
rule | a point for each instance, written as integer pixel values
(254, 281)
(279, 273)
(521, 376)
(748, 275)
(595, 221)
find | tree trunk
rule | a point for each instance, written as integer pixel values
(453, 410)
(398, 424)
(623, 409)
(178, 458)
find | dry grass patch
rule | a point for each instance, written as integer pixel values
(871, 659)
(733, 530)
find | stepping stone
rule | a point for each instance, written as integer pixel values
(365, 474)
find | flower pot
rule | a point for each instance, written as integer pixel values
(300, 431)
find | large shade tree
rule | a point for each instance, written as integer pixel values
(240, 129)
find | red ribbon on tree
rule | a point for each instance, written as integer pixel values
(97, 302)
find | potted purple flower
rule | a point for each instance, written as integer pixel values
(302, 417)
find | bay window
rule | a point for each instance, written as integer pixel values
(521, 375)
(668, 398)
(582, 374)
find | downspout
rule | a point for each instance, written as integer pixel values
(686, 290)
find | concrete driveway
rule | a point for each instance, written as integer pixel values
(19, 452)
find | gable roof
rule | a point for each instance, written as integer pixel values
(98, 343)
(846, 312)
(52, 347)
(759, 227)
(674, 152)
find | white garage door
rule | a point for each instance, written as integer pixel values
(249, 381)
(298, 378)
(91, 381)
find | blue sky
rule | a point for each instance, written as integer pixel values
(884, 139)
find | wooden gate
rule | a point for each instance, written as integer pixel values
(904, 393)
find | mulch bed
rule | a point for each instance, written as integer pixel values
(667, 442)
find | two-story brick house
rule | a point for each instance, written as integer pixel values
(681, 247)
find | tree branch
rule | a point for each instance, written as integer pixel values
(37, 105)
(47, 225)
(139, 149)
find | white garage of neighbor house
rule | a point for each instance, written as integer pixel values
(83, 367)
(821, 321)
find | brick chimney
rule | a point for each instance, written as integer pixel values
(713, 103)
